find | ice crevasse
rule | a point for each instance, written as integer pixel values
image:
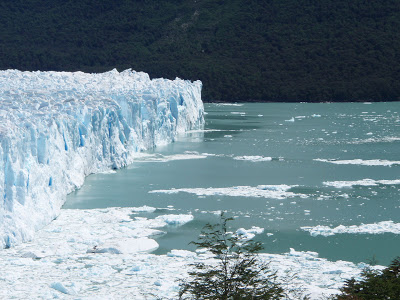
(58, 127)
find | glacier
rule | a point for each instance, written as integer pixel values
(58, 127)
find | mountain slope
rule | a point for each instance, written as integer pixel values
(272, 50)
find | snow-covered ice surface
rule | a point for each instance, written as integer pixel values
(58, 127)
(361, 162)
(281, 191)
(375, 228)
(103, 254)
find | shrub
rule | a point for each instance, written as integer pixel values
(238, 274)
(374, 284)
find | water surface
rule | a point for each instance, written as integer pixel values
(293, 136)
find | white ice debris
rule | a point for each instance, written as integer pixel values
(261, 191)
(157, 157)
(248, 234)
(108, 172)
(362, 182)
(61, 288)
(126, 246)
(229, 104)
(58, 127)
(101, 254)
(386, 139)
(253, 158)
(175, 219)
(144, 208)
(374, 228)
(361, 162)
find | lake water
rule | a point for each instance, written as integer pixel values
(288, 162)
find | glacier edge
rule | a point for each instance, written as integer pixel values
(58, 127)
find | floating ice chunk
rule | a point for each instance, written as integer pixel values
(30, 254)
(108, 172)
(126, 246)
(254, 158)
(157, 283)
(290, 120)
(248, 234)
(144, 208)
(238, 113)
(229, 104)
(307, 254)
(363, 182)
(316, 116)
(368, 162)
(166, 158)
(175, 219)
(214, 130)
(375, 228)
(261, 191)
(386, 139)
(181, 253)
(61, 288)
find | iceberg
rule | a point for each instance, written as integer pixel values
(58, 127)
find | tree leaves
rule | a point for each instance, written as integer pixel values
(238, 274)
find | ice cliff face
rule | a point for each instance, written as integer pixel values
(58, 127)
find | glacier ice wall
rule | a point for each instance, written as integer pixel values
(58, 127)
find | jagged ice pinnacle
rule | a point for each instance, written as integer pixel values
(58, 127)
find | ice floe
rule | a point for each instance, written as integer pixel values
(144, 208)
(248, 234)
(102, 254)
(253, 158)
(262, 191)
(175, 219)
(229, 104)
(362, 182)
(386, 139)
(156, 157)
(108, 172)
(361, 162)
(374, 228)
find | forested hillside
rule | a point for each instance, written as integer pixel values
(271, 50)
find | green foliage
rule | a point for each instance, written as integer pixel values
(270, 50)
(238, 274)
(374, 285)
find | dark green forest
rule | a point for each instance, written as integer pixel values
(270, 50)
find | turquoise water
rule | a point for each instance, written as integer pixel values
(293, 135)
